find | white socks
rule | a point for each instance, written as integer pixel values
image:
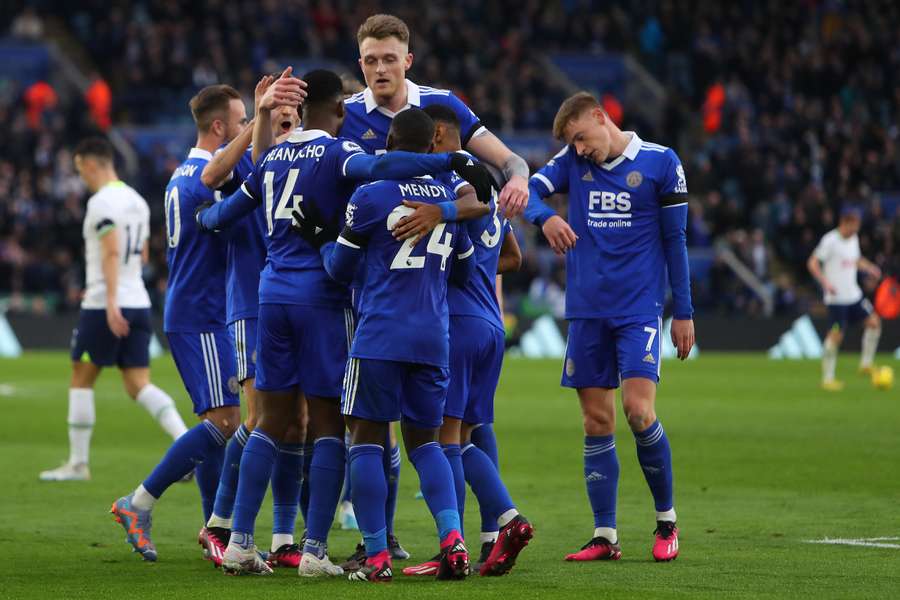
(869, 346)
(668, 515)
(142, 499)
(829, 360)
(609, 533)
(280, 539)
(162, 408)
(81, 424)
(217, 521)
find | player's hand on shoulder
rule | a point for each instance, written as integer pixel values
(559, 234)
(198, 214)
(116, 322)
(287, 90)
(683, 336)
(514, 196)
(310, 226)
(475, 173)
(419, 224)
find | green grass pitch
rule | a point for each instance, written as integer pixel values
(764, 461)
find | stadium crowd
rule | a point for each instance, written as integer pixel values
(782, 113)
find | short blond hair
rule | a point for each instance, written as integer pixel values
(570, 110)
(381, 27)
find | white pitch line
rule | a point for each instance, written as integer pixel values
(877, 542)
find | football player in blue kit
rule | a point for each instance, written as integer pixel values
(625, 232)
(476, 355)
(246, 255)
(399, 358)
(194, 325)
(311, 172)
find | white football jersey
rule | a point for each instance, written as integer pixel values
(116, 206)
(840, 258)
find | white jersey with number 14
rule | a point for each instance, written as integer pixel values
(116, 206)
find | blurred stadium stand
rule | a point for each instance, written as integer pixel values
(781, 112)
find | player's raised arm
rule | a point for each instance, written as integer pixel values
(514, 196)
(286, 90)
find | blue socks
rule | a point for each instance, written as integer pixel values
(483, 437)
(257, 463)
(454, 457)
(224, 504)
(326, 479)
(655, 458)
(345, 494)
(392, 474)
(185, 453)
(306, 460)
(482, 475)
(601, 474)
(286, 488)
(436, 483)
(207, 475)
(370, 494)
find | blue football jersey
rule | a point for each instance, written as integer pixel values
(478, 297)
(303, 170)
(246, 252)
(403, 296)
(195, 301)
(617, 267)
(367, 124)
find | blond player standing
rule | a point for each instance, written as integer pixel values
(114, 326)
(835, 264)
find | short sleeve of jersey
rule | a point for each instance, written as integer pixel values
(342, 151)
(823, 250)
(452, 181)
(101, 219)
(554, 176)
(673, 182)
(469, 123)
(362, 214)
(251, 186)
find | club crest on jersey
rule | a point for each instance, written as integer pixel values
(233, 386)
(634, 179)
(369, 135)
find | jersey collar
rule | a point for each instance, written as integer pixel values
(307, 135)
(413, 98)
(200, 153)
(631, 152)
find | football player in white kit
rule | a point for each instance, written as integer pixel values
(114, 326)
(834, 264)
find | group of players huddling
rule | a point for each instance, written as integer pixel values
(342, 275)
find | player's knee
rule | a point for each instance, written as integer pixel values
(227, 419)
(640, 416)
(598, 420)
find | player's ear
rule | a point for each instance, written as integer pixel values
(339, 109)
(407, 64)
(599, 114)
(389, 144)
(431, 147)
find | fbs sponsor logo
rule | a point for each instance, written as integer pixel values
(369, 135)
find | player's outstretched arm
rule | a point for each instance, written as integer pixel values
(869, 267)
(674, 225)
(514, 196)
(427, 216)
(216, 216)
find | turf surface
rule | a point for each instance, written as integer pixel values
(764, 461)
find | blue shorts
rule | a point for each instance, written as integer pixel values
(602, 352)
(92, 340)
(476, 357)
(243, 334)
(385, 390)
(841, 315)
(303, 346)
(205, 362)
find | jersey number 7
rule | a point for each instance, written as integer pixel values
(439, 242)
